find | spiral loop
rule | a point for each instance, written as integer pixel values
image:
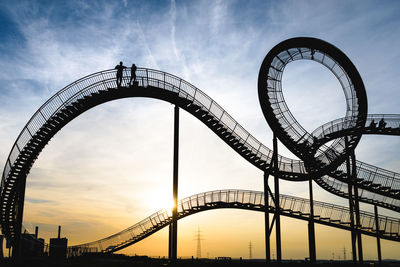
(318, 157)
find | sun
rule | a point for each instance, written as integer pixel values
(160, 200)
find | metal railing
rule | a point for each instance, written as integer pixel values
(342, 124)
(106, 80)
(333, 185)
(368, 173)
(325, 213)
(325, 155)
(288, 124)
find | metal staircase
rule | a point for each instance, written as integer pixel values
(295, 207)
(100, 87)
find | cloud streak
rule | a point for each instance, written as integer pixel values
(111, 166)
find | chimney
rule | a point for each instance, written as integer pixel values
(59, 231)
(36, 231)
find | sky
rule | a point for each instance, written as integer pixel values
(112, 166)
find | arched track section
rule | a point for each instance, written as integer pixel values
(295, 207)
(100, 87)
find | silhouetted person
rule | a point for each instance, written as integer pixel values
(119, 69)
(372, 125)
(133, 74)
(382, 124)
(315, 140)
(312, 53)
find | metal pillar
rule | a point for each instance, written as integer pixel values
(16, 251)
(378, 240)
(351, 208)
(266, 215)
(170, 241)
(1, 247)
(173, 242)
(277, 208)
(311, 228)
(357, 209)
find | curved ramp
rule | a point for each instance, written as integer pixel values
(295, 207)
(100, 87)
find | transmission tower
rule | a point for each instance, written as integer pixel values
(344, 252)
(250, 251)
(198, 239)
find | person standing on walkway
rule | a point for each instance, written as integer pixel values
(133, 75)
(119, 69)
(382, 124)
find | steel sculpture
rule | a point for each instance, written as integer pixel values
(328, 166)
(294, 207)
(318, 159)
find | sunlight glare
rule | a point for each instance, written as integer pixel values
(159, 200)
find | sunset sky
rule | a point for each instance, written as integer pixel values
(112, 166)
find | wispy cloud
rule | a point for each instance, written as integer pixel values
(37, 201)
(110, 167)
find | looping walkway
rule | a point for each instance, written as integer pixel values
(324, 163)
(100, 87)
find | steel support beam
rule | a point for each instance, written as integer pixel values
(16, 250)
(174, 225)
(1, 247)
(277, 208)
(266, 217)
(351, 204)
(357, 208)
(311, 228)
(272, 224)
(170, 241)
(378, 240)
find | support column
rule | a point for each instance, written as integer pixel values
(266, 216)
(16, 250)
(1, 247)
(351, 207)
(174, 225)
(170, 242)
(357, 208)
(378, 240)
(277, 207)
(311, 228)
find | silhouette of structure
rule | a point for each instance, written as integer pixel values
(333, 167)
(250, 250)
(1, 247)
(294, 207)
(198, 240)
(173, 230)
(31, 244)
(58, 246)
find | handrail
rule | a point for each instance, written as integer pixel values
(335, 125)
(105, 80)
(42, 114)
(325, 213)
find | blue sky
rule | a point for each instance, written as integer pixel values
(216, 45)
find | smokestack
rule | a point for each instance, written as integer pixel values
(36, 231)
(59, 231)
